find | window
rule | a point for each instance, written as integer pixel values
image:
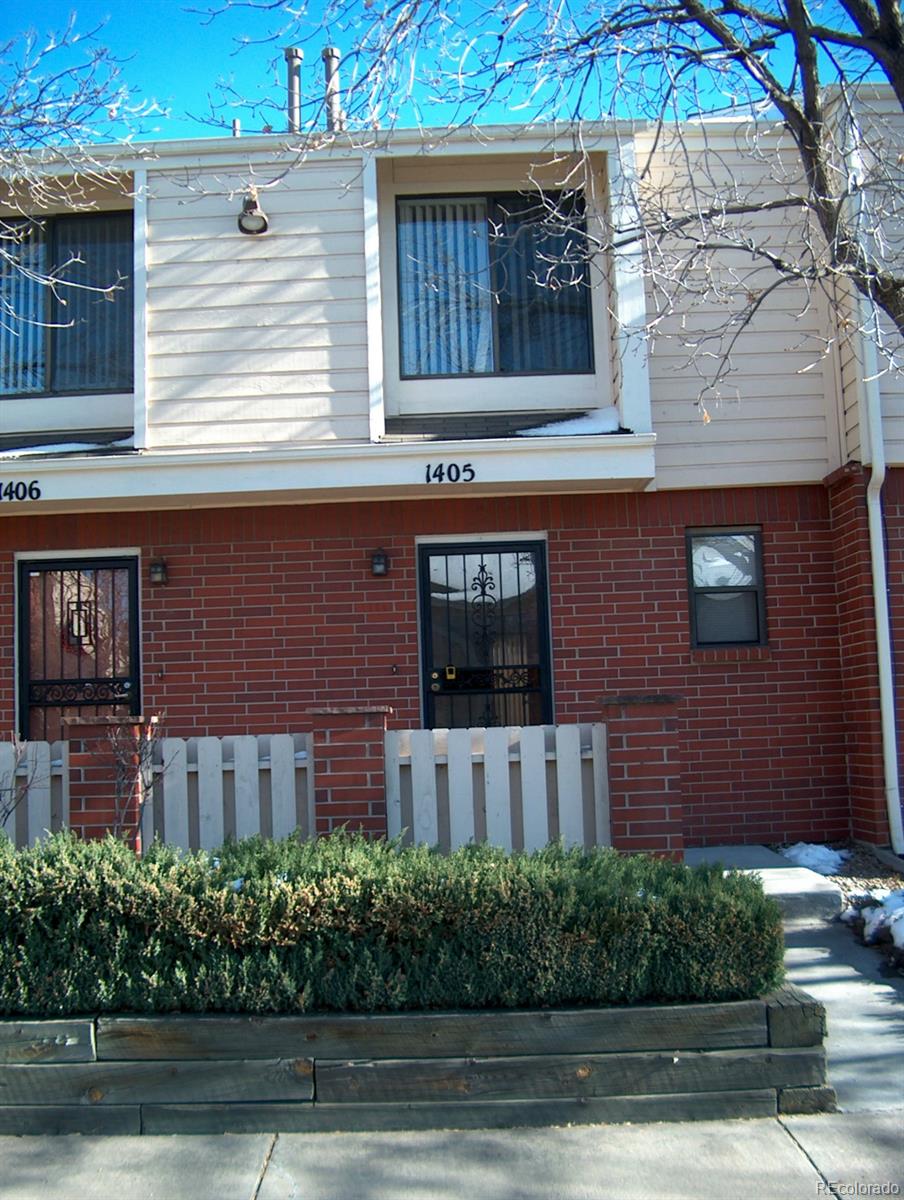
(493, 285)
(725, 568)
(66, 305)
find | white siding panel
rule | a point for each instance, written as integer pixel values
(891, 389)
(227, 271)
(315, 322)
(255, 341)
(246, 293)
(274, 360)
(775, 416)
(199, 387)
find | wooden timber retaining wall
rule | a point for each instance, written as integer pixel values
(211, 1074)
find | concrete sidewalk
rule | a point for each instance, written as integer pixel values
(794, 1157)
(799, 1158)
(802, 894)
(864, 1008)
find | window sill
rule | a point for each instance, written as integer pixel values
(731, 654)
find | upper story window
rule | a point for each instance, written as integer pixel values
(493, 285)
(726, 587)
(66, 305)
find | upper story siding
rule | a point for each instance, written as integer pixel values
(774, 415)
(871, 353)
(284, 341)
(254, 341)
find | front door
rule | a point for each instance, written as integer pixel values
(485, 635)
(78, 642)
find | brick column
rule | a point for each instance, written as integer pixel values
(859, 659)
(104, 781)
(349, 781)
(645, 797)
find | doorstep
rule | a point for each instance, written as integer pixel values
(802, 894)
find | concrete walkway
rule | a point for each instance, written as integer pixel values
(802, 894)
(794, 1157)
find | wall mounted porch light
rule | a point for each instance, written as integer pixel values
(379, 562)
(157, 572)
(252, 219)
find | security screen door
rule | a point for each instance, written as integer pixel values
(485, 635)
(78, 642)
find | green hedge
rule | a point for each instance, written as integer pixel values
(343, 924)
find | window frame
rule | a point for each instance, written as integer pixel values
(50, 331)
(757, 587)
(492, 197)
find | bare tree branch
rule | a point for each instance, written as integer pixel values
(792, 81)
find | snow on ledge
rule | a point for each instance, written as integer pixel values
(598, 420)
(66, 448)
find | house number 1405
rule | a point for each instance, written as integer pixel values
(450, 472)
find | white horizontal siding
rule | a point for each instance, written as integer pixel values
(891, 389)
(774, 416)
(256, 341)
(881, 124)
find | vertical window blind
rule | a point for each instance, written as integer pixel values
(489, 285)
(66, 305)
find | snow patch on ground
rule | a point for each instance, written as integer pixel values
(816, 858)
(880, 915)
(600, 420)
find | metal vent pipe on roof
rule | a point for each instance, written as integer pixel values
(294, 57)
(335, 121)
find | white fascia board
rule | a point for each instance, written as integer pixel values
(140, 308)
(360, 472)
(634, 399)
(225, 151)
(373, 301)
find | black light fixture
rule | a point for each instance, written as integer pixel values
(157, 572)
(379, 562)
(252, 219)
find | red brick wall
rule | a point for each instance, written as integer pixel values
(857, 636)
(893, 505)
(272, 611)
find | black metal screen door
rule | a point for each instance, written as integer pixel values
(485, 628)
(78, 642)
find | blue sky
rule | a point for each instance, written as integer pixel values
(174, 58)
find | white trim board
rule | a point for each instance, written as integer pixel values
(352, 472)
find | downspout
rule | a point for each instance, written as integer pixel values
(872, 426)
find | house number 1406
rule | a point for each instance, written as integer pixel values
(450, 472)
(20, 490)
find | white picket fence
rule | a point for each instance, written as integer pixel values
(34, 789)
(206, 789)
(516, 787)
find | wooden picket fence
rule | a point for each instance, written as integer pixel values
(34, 789)
(516, 787)
(205, 789)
